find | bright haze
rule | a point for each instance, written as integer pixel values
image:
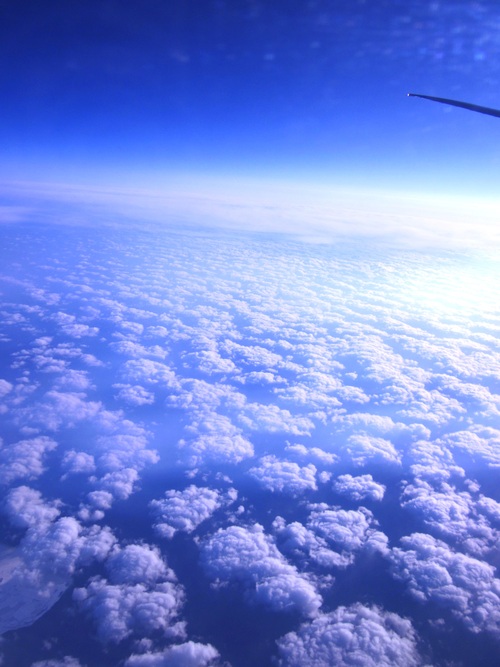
(249, 332)
(172, 96)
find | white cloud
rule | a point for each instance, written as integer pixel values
(125, 450)
(284, 476)
(455, 515)
(348, 636)
(361, 487)
(25, 507)
(249, 556)
(149, 372)
(137, 564)
(24, 459)
(184, 510)
(125, 609)
(361, 449)
(120, 483)
(346, 530)
(255, 356)
(5, 387)
(189, 654)
(315, 454)
(73, 380)
(67, 661)
(133, 350)
(45, 560)
(214, 439)
(134, 394)
(478, 444)
(262, 378)
(332, 536)
(59, 409)
(77, 463)
(271, 418)
(434, 573)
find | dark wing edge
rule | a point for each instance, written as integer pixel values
(462, 105)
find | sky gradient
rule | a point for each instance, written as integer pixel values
(249, 334)
(309, 92)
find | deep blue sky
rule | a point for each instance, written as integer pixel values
(314, 90)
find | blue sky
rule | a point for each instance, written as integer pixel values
(309, 92)
(220, 445)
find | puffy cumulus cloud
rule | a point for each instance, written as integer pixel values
(347, 530)
(301, 395)
(24, 459)
(137, 564)
(255, 356)
(250, 556)
(58, 409)
(67, 661)
(134, 328)
(209, 361)
(284, 476)
(455, 515)
(73, 380)
(100, 499)
(472, 395)
(200, 397)
(189, 654)
(361, 487)
(54, 551)
(379, 426)
(125, 449)
(119, 483)
(478, 446)
(432, 461)
(134, 394)
(348, 636)
(464, 585)
(45, 559)
(134, 350)
(362, 449)
(298, 541)
(25, 507)
(315, 454)
(74, 462)
(262, 378)
(95, 544)
(125, 609)
(184, 510)
(149, 372)
(119, 450)
(351, 394)
(214, 439)
(5, 387)
(97, 503)
(430, 407)
(271, 418)
(332, 536)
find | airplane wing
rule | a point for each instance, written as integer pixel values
(463, 105)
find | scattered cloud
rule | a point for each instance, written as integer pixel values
(355, 635)
(185, 510)
(249, 556)
(465, 586)
(274, 474)
(358, 488)
(189, 654)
